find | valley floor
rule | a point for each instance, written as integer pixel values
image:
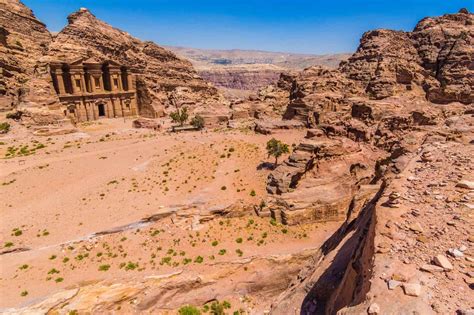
(117, 204)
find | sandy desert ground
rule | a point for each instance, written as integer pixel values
(112, 202)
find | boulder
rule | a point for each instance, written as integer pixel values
(267, 126)
(374, 309)
(146, 123)
(443, 262)
(412, 289)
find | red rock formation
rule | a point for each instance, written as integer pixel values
(434, 62)
(384, 100)
(242, 77)
(445, 45)
(386, 63)
(164, 80)
(23, 40)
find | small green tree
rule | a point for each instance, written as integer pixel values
(197, 122)
(276, 148)
(180, 116)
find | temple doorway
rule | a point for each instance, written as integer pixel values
(101, 108)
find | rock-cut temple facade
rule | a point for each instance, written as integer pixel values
(90, 90)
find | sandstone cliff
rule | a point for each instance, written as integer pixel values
(434, 62)
(445, 46)
(242, 77)
(385, 156)
(163, 79)
(437, 57)
(23, 41)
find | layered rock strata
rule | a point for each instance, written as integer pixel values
(163, 81)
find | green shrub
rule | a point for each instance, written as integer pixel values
(198, 259)
(17, 232)
(197, 122)
(14, 115)
(131, 266)
(4, 127)
(189, 310)
(218, 308)
(180, 116)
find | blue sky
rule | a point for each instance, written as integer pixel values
(302, 26)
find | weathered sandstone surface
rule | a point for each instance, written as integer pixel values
(23, 41)
(163, 81)
(385, 155)
(416, 64)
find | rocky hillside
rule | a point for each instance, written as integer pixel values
(163, 79)
(387, 157)
(250, 69)
(23, 40)
(390, 135)
(433, 62)
(436, 57)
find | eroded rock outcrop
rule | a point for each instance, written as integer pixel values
(320, 179)
(383, 252)
(434, 62)
(445, 47)
(368, 115)
(24, 39)
(386, 63)
(164, 81)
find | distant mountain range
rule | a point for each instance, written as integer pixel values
(247, 70)
(202, 58)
